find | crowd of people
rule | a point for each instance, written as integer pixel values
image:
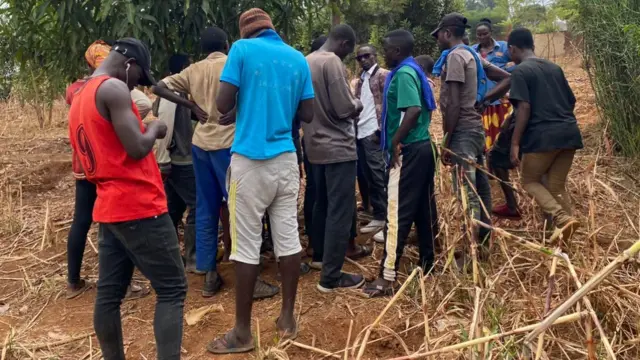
(243, 163)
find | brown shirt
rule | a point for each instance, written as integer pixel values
(330, 137)
(461, 68)
(202, 80)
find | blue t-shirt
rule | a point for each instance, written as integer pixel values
(272, 78)
(498, 56)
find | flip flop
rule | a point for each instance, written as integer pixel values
(374, 291)
(285, 335)
(85, 285)
(362, 251)
(136, 294)
(222, 346)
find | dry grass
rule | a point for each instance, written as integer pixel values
(524, 280)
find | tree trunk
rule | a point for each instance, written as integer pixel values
(335, 12)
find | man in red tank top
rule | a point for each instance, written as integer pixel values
(114, 147)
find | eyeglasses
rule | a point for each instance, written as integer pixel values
(363, 57)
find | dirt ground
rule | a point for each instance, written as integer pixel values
(36, 321)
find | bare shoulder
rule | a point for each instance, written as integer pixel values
(113, 90)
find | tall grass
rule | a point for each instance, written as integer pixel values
(611, 31)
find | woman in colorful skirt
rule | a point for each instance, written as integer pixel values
(494, 115)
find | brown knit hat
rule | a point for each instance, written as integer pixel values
(253, 20)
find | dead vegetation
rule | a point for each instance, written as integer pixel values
(531, 299)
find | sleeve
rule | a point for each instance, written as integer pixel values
(179, 82)
(340, 95)
(166, 114)
(455, 68)
(142, 102)
(519, 88)
(409, 91)
(307, 87)
(233, 67)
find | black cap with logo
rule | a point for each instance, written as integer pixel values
(451, 20)
(135, 49)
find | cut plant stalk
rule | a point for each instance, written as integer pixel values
(447, 349)
(630, 253)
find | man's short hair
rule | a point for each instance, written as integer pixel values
(426, 63)
(343, 32)
(213, 39)
(178, 62)
(403, 39)
(457, 31)
(318, 42)
(370, 46)
(521, 38)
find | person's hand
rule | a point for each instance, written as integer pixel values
(515, 155)
(446, 157)
(359, 107)
(397, 152)
(159, 127)
(482, 106)
(228, 118)
(200, 114)
(375, 138)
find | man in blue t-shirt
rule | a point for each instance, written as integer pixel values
(268, 83)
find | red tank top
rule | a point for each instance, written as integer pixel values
(127, 189)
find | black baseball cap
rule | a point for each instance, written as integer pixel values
(451, 20)
(135, 49)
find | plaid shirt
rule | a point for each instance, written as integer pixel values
(376, 83)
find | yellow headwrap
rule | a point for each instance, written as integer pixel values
(96, 53)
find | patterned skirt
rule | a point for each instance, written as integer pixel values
(492, 119)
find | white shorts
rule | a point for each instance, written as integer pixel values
(256, 187)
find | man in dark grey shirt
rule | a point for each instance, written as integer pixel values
(330, 144)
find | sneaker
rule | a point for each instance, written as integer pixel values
(503, 211)
(565, 230)
(379, 237)
(346, 281)
(316, 265)
(373, 226)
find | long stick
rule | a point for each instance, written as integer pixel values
(590, 285)
(346, 352)
(592, 313)
(474, 319)
(425, 311)
(384, 311)
(311, 348)
(547, 305)
(562, 320)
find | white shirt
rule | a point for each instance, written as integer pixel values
(368, 122)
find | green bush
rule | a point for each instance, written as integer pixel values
(611, 31)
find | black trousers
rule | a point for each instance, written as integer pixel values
(180, 187)
(309, 194)
(151, 245)
(374, 175)
(411, 200)
(82, 220)
(333, 217)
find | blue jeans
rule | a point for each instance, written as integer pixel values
(211, 174)
(151, 245)
(469, 148)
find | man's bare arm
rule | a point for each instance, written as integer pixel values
(116, 99)
(501, 89)
(305, 111)
(494, 73)
(226, 103)
(163, 91)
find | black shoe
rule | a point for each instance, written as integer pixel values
(212, 284)
(346, 281)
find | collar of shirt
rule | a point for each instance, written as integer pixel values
(369, 72)
(496, 46)
(216, 55)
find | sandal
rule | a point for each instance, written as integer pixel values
(285, 335)
(264, 290)
(374, 291)
(79, 289)
(135, 292)
(362, 251)
(221, 346)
